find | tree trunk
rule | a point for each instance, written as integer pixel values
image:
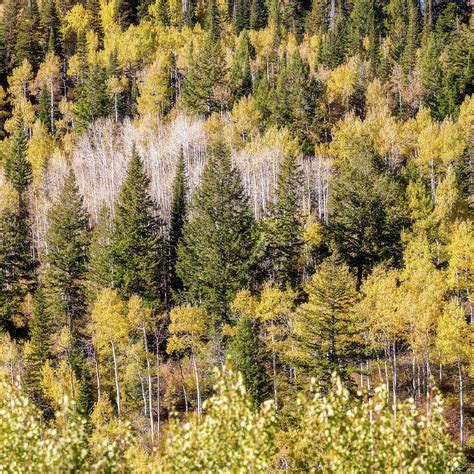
(117, 388)
(461, 405)
(150, 388)
(52, 106)
(186, 408)
(158, 395)
(97, 376)
(274, 367)
(394, 379)
(198, 390)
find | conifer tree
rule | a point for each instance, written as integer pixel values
(40, 349)
(17, 167)
(317, 22)
(215, 255)
(258, 14)
(8, 36)
(50, 27)
(66, 258)
(213, 21)
(325, 329)
(177, 219)
(126, 13)
(99, 266)
(241, 78)
(366, 216)
(241, 15)
(3, 111)
(248, 357)
(204, 77)
(44, 108)
(285, 226)
(135, 241)
(17, 265)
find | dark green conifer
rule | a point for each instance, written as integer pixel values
(17, 167)
(241, 15)
(44, 107)
(215, 254)
(204, 77)
(135, 242)
(65, 260)
(284, 227)
(248, 357)
(241, 77)
(213, 21)
(177, 219)
(99, 268)
(258, 14)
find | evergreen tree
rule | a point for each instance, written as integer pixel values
(126, 13)
(17, 265)
(294, 102)
(65, 260)
(317, 21)
(326, 332)
(8, 36)
(44, 108)
(215, 255)
(241, 77)
(177, 219)
(284, 228)
(99, 266)
(4, 113)
(248, 357)
(40, 349)
(135, 241)
(162, 15)
(213, 21)
(93, 8)
(241, 15)
(366, 215)
(17, 167)
(204, 78)
(27, 46)
(50, 27)
(335, 47)
(258, 15)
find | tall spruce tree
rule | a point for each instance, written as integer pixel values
(99, 268)
(215, 255)
(17, 167)
(366, 215)
(204, 77)
(213, 22)
(284, 227)
(248, 357)
(241, 77)
(177, 219)
(40, 349)
(65, 260)
(136, 250)
(258, 14)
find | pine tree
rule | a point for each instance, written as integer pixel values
(325, 329)
(40, 349)
(317, 22)
(17, 265)
(366, 216)
(17, 167)
(126, 13)
(8, 35)
(203, 79)
(135, 242)
(294, 101)
(241, 15)
(241, 77)
(213, 21)
(50, 27)
(162, 14)
(284, 228)
(99, 266)
(44, 108)
(214, 257)
(258, 15)
(177, 219)
(248, 357)
(4, 114)
(66, 258)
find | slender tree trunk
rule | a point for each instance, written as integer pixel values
(52, 105)
(186, 405)
(117, 388)
(413, 381)
(461, 405)
(387, 382)
(150, 388)
(274, 367)
(142, 387)
(198, 389)
(97, 376)
(158, 394)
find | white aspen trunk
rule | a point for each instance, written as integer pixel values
(158, 395)
(275, 388)
(387, 382)
(117, 388)
(97, 377)
(413, 381)
(142, 387)
(116, 107)
(461, 405)
(150, 389)
(198, 389)
(186, 405)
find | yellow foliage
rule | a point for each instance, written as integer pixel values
(58, 382)
(20, 79)
(77, 19)
(246, 120)
(188, 325)
(342, 82)
(40, 148)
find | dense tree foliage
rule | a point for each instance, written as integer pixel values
(279, 189)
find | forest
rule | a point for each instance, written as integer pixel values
(236, 236)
